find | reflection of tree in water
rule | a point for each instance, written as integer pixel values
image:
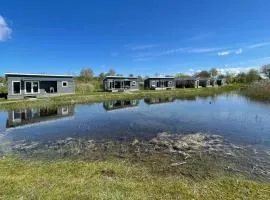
(159, 100)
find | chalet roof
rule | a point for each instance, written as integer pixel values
(187, 79)
(161, 77)
(38, 75)
(120, 77)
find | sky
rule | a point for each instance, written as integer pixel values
(142, 37)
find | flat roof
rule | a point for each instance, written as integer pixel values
(45, 75)
(184, 79)
(121, 77)
(162, 77)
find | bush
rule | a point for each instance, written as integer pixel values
(86, 87)
(3, 89)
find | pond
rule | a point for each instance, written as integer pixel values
(199, 137)
(232, 116)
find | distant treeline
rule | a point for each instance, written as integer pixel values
(252, 75)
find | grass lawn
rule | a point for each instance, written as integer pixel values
(25, 179)
(105, 96)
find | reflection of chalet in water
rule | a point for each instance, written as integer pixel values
(159, 100)
(120, 83)
(191, 82)
(120, 104)
(159, 83)
(36, 115)
(38, 85)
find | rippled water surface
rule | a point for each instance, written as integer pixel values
(232, 116)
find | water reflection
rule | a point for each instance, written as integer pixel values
(120, 104)
(231, 116)
(159, 100)
(36, 115)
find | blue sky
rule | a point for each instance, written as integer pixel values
(139, 37)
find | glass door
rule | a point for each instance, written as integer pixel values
(35, 87)
(28, 87)
(31, 87)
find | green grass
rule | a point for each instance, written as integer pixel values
(25, 179)
(105, 96)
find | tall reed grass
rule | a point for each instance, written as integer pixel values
(258, 91)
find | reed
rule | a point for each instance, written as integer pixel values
(258, 91)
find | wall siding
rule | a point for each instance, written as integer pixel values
(22, 79)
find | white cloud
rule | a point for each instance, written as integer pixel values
(141, 59)
(228, 52)
(235, 70)
(203, 50)
(171, 51)
(258, 45)
(239, 51)
(223, 53)
(5, 30)
(224, 70)
(143, 47)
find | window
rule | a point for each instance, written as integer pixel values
(64, 84)
(133, 83)
(16, 87)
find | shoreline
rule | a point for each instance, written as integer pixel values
(106, 96)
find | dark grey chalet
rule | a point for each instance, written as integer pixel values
(191, 82)
(120, 83)
(159, 83)
(38, 85)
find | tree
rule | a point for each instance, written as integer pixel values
(181, 75)
(87, 74)
(252, 75)
(140, 78)
(240, 78)
(213, 72)
(131, 75)
(111, 72)
(229, 77)
(2, 79)
(102, 76)
(203, 74)
(266, 69)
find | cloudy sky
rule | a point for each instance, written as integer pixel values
(139, 37)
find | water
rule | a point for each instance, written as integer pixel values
(234, 117)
